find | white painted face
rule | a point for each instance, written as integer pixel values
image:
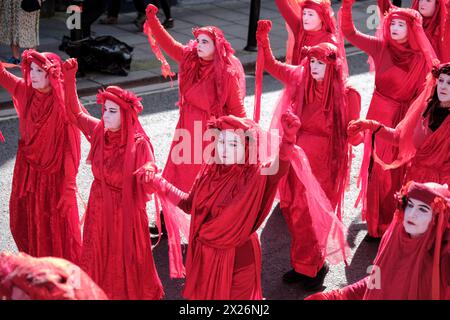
(427, 7)
(39, 77)
(311, 20)
(417, 218)
(205, 47)
(443, 88)
(399, 30)
(230, 148)
(318, 69)
(111, 116)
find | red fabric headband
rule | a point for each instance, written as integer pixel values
(325, 52)
(427, 193)
(125, 99)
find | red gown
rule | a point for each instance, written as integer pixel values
(301, 36)
(396, 87)
(437, 27)
(227, 204)
(199, 101)
(315, 137)
(43, 207)
(104, 255)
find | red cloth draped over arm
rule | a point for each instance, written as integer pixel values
(173, 48)
(281, 71)
(445, 40)
(384, 6)
(370, 45)
(288, 13)
(353, 112)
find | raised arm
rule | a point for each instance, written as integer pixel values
(173, 48)
(286, 73)
(291, 17)
(370, 45)
(384, 6)
(445, 40)
(14, 85)
(74, 108)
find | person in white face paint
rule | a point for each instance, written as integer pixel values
(436, 22)
(116, 251)
(401, 56)
(43, 206)
(316, 90)
(413, 260)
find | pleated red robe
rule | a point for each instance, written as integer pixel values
(43, 207)
(395, 89)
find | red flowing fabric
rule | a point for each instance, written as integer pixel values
(400, 78)
(227, 204)
(43, 207)
(46, 278)
(117, 250)
(324, 109)
(6, 65)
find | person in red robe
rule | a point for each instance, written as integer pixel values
(211, 83)
(310, 22)
(117, 251)
(228, 202)
(422, 136)
(23, 277)
(402, 58)
(325, 103)
(43, 206)
(413, 260)
(436, 23)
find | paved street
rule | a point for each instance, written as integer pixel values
(159, 118)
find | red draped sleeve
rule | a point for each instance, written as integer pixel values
(173, 48)
(384, 6)
(288, 13)
(353, 112)
(370, 45)
(235, 100)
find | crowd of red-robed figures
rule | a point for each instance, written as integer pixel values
(218, 205)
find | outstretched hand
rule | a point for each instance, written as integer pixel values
(146, 173)
(356, 126)
(291, 124)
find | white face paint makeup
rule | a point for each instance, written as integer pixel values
(318, 69)
(399, 30)
(39, 78)
(311, 20)
(230, 148)
(427, 7)
(443, 88)
(417, 217)
(205, 47)
(111, 116)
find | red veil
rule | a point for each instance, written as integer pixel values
(399, 254)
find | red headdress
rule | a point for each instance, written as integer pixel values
(400, 254)
(45, 279)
